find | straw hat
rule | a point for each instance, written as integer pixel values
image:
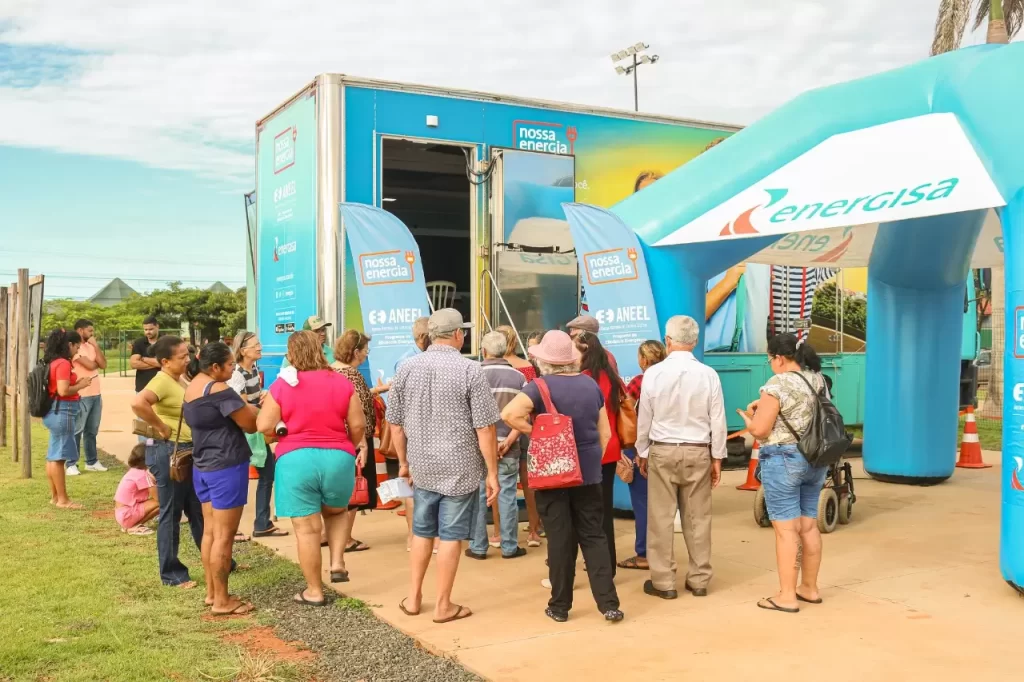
(556, 348)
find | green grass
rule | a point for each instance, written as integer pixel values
(79, 600)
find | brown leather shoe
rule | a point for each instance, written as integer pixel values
(650, 589)
(697, 591)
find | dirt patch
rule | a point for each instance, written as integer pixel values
(263, 640)
(102, 514)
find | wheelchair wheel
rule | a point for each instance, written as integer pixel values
(828, 510)
(761, 510)
(845, 508)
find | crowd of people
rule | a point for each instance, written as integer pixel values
(462, 433)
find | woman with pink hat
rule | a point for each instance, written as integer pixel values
(573, 517)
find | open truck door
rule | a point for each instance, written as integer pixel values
(532, 282)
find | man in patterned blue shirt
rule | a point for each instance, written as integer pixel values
(443, 416)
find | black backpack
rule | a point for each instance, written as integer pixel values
(826, 438)
(39, 399)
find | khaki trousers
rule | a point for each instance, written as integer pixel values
(679, 477)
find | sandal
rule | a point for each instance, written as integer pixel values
(138, 530)
(356, 546)
(300, 598)
(401, 607)
(632, 562)
(240, 610)
(339, 576)
(273, 532)
(241, 537)
(461, 612)
(533, 541)
(806, 600)
(775, 607)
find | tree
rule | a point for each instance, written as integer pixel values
(1004, 22)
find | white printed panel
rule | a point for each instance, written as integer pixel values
(850, 247)
(905, 169)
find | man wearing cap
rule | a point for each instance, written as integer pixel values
(443, 419)
(316, 324)
(587, 324)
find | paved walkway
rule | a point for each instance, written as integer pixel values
(912, 592)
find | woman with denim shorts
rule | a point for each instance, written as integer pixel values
(219, 419)
(64, 386)
(791, 486)
(316, 458)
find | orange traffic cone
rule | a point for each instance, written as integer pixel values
(970, 446)
(752, 483)
(253, 472)
(382, 475)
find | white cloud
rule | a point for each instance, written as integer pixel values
(180, 85)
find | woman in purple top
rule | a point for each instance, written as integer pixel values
(219, 420)
(573, 517)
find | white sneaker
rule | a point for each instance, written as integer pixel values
(546, 584)
(72, 470)
(95, 467)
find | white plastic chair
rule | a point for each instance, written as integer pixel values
(441, 294)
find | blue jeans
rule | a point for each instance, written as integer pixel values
(175, 498)
(791, 485)
(86, 428)
(60, 421)
(508, 510)
(264, 488)
(638, 498)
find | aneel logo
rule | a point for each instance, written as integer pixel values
(387, 267)
(284, 149)
(537, 136)
(610, 265)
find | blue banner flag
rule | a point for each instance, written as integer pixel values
(614, 274)
(389, 280)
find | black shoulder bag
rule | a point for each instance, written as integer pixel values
(826, 438)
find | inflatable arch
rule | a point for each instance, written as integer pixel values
(925, 153)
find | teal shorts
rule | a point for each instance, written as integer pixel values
(309, 478)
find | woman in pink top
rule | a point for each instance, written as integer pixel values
(316, 459)
(135, 500)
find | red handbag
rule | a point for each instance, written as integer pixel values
(552, 460)
(360, 493)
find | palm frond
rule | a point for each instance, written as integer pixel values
(950, 24)
(1013, 15)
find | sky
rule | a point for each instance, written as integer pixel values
(127, 132)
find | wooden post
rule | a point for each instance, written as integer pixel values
(23, 417)
(12, 383)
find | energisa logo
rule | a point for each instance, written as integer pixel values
(858, 208)
(387, 267)
(536, 136)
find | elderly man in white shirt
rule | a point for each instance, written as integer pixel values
(681, 435)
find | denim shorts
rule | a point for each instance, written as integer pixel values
(791, 485)
(447, 517)
(60, 422)
(224, 488)
(309, 478)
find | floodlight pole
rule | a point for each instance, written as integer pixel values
(636, 88)
(639, 57)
